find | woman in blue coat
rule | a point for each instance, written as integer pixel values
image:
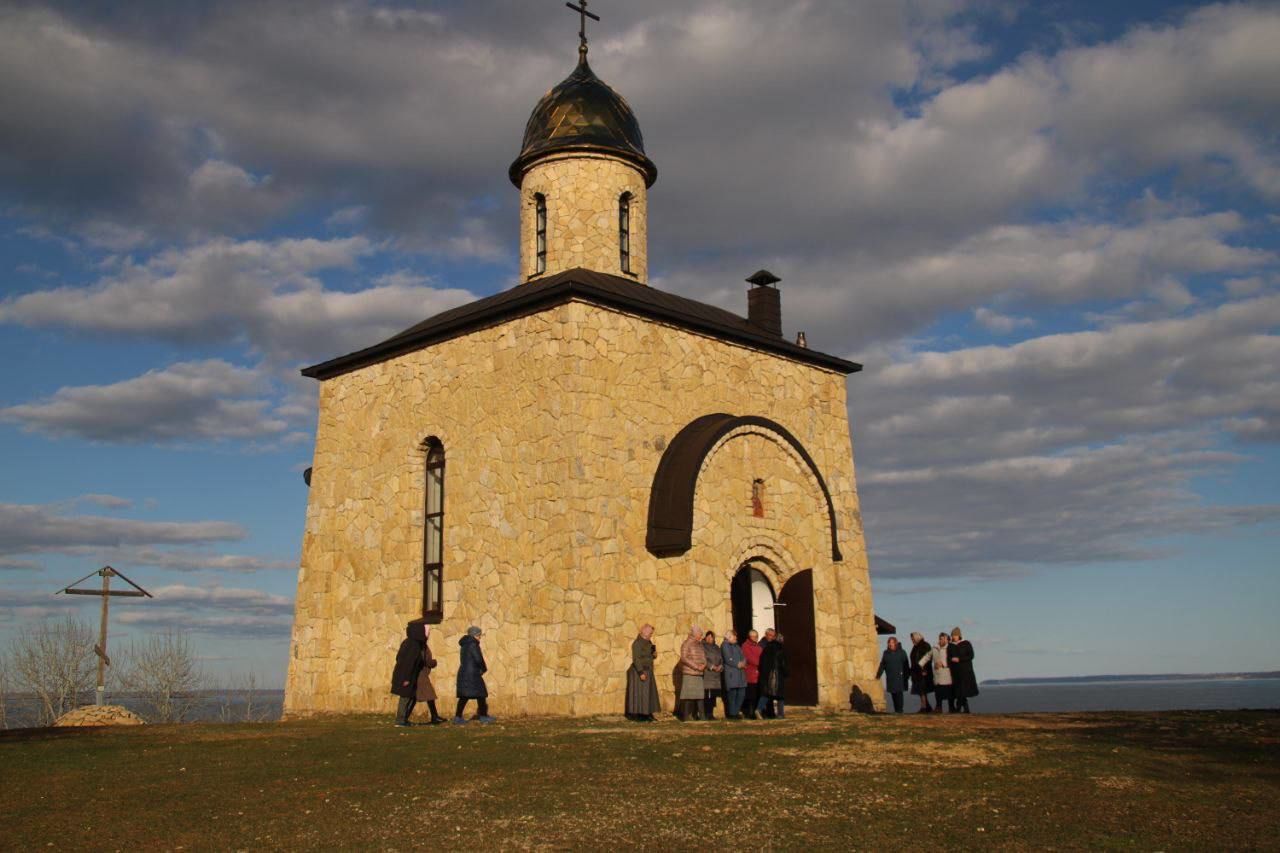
(471, 670)
(894, 667)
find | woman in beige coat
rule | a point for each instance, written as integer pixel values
(426, 691)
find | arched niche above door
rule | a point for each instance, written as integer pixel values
(670, 531)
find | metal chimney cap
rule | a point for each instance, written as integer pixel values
(762, 278)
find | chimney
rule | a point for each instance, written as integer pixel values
(764, 305)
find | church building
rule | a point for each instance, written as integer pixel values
(578, 455)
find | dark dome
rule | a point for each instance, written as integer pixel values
(583, 113)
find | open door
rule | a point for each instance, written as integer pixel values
(795, 621)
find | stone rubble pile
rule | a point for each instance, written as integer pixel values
(100, 715)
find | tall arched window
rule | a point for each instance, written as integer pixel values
(540, 232)
(433, 533)
(624, 232)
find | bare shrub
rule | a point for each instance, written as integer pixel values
(161, 671)
(238, 702)
(56, 663)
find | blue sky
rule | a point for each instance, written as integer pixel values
(1049, 230)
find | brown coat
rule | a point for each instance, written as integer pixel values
(693, 657)
(426, 690)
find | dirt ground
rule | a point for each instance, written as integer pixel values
(1168, 781)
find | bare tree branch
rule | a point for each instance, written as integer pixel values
(56, 663)
(162, 671)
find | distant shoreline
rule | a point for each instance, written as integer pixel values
(1095, 679)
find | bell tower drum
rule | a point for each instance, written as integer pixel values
(583, 178)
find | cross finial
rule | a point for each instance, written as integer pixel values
(582, 27)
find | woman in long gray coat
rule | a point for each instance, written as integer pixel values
(642, 687)
(712, 677)
(735, 676)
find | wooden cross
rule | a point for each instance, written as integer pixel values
(582, 26)
(107, 593)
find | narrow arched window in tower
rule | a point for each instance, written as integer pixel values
(540, 231)
(433, 533)
(624, 231)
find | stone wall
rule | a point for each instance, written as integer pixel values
(553, 426)
(582, 192)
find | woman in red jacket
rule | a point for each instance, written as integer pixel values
(751, 652)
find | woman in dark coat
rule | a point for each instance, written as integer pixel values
(712, 676)
(404, 676)
(964, 683)
(642, 687)
(775, 666)
(921, 672)
(471, 670)
(426, 691)
(893, 666)
(735, 676)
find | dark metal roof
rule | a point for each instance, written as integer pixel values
(609, 291)
(583, 113)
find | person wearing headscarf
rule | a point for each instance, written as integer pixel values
(426, 691)
(735, 676)
(471, 670)
(404, 676)
(921, 672)
(642, 687)
(775, 666)
(964, 684)
(693, 662)
(894, 666)
(712, 676)
(764, 705)
(942, 674)
(751, 650)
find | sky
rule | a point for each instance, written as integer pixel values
(1048, 230)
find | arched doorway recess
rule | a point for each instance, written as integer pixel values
(754, 607)
(752, 598)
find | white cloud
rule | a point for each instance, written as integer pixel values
(34, 528)
(106, 501)
(266, 294)
(213, 610)
(187, 401)
(1065, 448)
(1002, 324)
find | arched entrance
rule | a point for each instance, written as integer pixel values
(755, 607)
(753, 601)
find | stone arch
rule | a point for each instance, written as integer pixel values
(670, 531)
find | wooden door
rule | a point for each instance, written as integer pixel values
(795, 621)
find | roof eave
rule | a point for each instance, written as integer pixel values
(537, 299)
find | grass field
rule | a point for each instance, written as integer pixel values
(1170, 781)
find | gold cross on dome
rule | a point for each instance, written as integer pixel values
(582, 26)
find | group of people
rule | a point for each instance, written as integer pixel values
(749, 678)
(411, 678)
(945, 670)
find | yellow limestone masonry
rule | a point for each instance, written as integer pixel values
(553, 425)
(582, 192)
